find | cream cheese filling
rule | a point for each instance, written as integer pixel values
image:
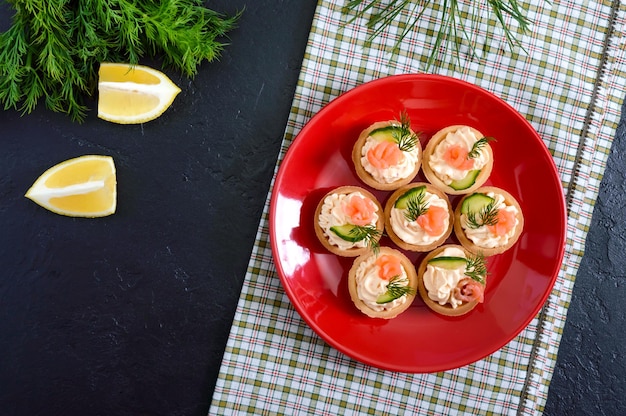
(440, 283)
(464, 137)
(370, 286)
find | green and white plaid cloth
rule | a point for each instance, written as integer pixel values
(569, 84)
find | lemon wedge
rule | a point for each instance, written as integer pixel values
(133, 94)
(85, 186)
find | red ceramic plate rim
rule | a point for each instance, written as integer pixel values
(355, 106)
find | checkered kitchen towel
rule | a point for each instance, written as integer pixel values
(569, 84)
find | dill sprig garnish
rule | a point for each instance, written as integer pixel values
(53, 48)
(488, 215)
(476, 268)
(369, 234)
(398, 287)
(403, 135)
(416, 206)
(453, 28)
(478, 145)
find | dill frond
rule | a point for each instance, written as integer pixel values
(398, 287)
(453, 28)
(369, 234)
(478, 145)
(416, 206)
(488, 215)
(476, 268)
(403, 135)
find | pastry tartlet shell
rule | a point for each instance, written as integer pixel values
(414, 247)
(365, 176)
(321, 236)
(432, 176)
(446, 309)
(468, 244)
(410, 272)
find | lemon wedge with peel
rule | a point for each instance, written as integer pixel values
(85, 186)
(133, 94)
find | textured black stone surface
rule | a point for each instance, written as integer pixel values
(590, 375)
(129, 314)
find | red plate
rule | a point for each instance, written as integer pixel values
(418, 340)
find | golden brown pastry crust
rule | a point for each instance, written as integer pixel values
(369, 179)
(388, 314)
(468, 244)
(319, 232)
(432, 176)
(413, 247)
(446, 309)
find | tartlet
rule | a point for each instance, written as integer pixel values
(501, 231)
(371, 293)
(443, 283)
(347, 227)
(378, 144)
(418, 217)
(472, 162)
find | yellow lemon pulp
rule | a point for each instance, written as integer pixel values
(85, 186)
(131, 94)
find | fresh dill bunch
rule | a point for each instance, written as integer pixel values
(488, 215)
(398, 287)
(416, 206)
(53, 49)
(369, 233)
(478, 145)
(476, 268)
(453, 28)
(403, 135)
(37, 61)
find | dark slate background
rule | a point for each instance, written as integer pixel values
(590, 376)
(129, 314)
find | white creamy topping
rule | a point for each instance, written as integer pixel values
(440, 283)
(393, 173)
(410, 231)
(370, 286)
(332, 215)
(463, 137)
(481, 236)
